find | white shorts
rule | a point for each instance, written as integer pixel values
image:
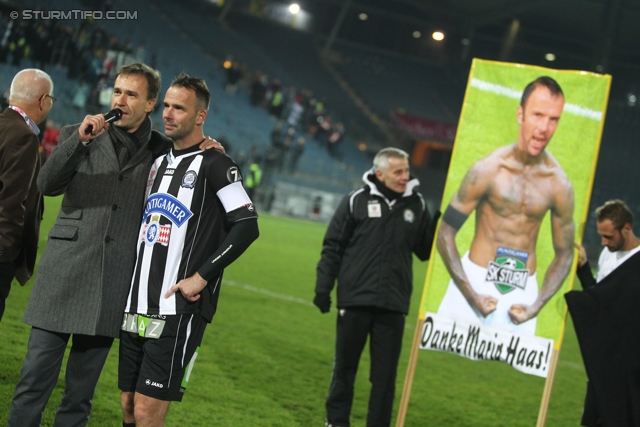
(455, 306)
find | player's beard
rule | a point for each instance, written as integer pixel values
(178, 132)
(619, 245)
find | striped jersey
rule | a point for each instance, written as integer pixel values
(192, 198)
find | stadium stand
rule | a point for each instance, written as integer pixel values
(417, 87)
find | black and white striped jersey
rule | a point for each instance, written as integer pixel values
(193, 197)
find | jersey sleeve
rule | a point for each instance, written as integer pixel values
(225, 180)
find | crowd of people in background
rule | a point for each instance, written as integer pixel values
(89, 55)
(299, 117)
(297, 109)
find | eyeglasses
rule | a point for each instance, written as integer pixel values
(53, 98)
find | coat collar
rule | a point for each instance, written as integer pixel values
(34, 127)
(367, 178)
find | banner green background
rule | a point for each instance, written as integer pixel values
(488, 121)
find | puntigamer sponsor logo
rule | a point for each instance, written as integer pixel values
(75, 14)
(169, 206)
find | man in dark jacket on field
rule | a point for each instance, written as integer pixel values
(368, 247)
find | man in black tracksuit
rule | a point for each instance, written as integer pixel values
(368, 247)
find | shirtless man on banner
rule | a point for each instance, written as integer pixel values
(511, 190)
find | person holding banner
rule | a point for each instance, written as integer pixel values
(511, 190)
(368, 248)
(615, 227)
(605, 319)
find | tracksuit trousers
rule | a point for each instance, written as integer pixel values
(353, 327)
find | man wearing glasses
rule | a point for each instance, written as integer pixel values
(21, 207)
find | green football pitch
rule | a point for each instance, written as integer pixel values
(266, 359)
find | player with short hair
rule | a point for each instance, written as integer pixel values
(198, 219)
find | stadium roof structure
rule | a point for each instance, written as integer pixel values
(592, 35)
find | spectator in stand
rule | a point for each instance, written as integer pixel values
(77, 58)
(277, 101)
(92, 67)
(296, 111)
(255, 155)
(81, 95)
(42, 45)
(95, 101)
(252, 179)
(309, 116)
(109, 62)
(276, 136)
(18, 45)
(258, 88)
(321, 106)
(60, 44)
(335, 138)
(324, 128)
(99, 38)
(277, 145)
(270, 162)
(314, 117)
(234, 74)
(287, 142)
(296, 152)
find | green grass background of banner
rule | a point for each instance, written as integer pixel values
(488, 121)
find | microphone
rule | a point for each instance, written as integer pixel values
(112, 116)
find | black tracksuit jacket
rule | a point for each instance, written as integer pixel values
(368, 247)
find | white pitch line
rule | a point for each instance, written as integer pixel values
(269, 293)
(277, 295)
(572, 365)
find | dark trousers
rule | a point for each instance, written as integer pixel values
(7, 270)
(354, 326)
(40, 373)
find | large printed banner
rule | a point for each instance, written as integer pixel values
(516, 196)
